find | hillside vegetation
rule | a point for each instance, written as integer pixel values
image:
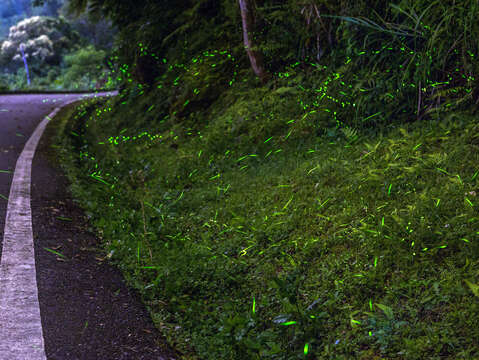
(325, 211)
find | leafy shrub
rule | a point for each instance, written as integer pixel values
(83, 68)
(3, 83)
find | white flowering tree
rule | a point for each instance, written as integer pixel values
(45, 40)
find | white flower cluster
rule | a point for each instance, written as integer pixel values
(40, 48)
(8, 49)
(36, 35)
(28, 28)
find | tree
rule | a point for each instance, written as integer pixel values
(52, 7)
(255, 57)
(45, 41)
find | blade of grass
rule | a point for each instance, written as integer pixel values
(64, 218)
(55, 252)
(371, 24)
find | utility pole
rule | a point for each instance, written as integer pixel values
(22, 50)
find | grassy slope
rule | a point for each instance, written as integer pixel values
(246, 246)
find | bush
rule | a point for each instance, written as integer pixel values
(3, 83)
(83, 68)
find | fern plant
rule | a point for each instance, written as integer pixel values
(350, 134)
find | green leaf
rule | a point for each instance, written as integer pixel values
(55, 252)
(474, 288)
(286, 91)
(387, 311)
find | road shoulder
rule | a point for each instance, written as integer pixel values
(87, 310)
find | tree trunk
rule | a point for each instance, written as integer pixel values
(255, 57)
(146, 70)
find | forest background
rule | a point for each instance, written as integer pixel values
(63, 52)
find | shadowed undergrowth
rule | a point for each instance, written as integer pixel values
(328, 214)
(247, 244)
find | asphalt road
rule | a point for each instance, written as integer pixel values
(87, 311)
(19, 116)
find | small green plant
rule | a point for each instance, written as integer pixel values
(384, 328)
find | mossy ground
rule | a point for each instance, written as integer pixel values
(253, 233)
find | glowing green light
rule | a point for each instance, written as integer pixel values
(306, 349)
(469, 202)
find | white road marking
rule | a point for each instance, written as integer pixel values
(21, 334)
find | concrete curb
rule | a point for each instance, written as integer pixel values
(21, 334)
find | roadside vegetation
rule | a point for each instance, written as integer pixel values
(327, 210)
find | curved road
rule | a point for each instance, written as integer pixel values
(84, 309)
